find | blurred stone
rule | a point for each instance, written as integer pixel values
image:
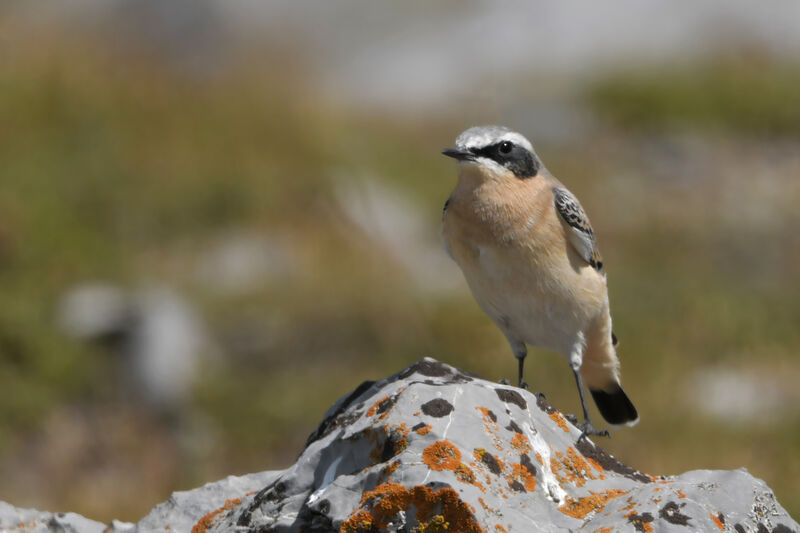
(432, 448)
(735, 396)
(154, 331)
(95, 311)
(165, 347)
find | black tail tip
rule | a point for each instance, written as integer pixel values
(615, 406)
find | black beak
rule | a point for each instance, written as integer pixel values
(461, 155)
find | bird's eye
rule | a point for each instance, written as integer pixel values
(506, 146)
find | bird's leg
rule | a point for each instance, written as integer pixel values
(520, 352)
(521, 384)
(587, 428)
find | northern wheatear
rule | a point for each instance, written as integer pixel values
(529, 255)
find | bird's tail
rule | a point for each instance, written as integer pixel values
(600, 371)
(615, 406)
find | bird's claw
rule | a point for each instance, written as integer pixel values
(587, 428)
(504, 381)
(523, 385)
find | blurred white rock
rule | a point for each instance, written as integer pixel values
(159, 338)
(94, 310)
(739, 396)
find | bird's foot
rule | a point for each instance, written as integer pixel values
(504, 381)
(523, 385)
(587, 428)
(572, 419)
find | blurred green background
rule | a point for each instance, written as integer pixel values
(216, 219)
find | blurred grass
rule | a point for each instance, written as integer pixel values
(747, 94)
(126, 171)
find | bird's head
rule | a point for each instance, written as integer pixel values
(496, 150)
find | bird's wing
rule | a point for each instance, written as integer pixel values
(580, 232)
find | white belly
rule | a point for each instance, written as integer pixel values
(530, 302)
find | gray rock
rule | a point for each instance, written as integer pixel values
(184, 510)
(432, 446)
(15, 519)
(435, 449)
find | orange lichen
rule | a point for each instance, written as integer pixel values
(500, 528)
(465, 473)
(681, 494)
(417, 413)
(397, 434)
(485, 506)
(559, 419)
(597, 466)
(371, 410)
(631, 505)
(213, 517)
(488, 419)
(441, 455)
(389, 469)
(520, 472)
(520, 443)
(424, 430)
(359, 521)
(605, 530)
(435, 510)
(640, 521)
(718, 521)
(495, 465)
(597, 501)
(539, 458)
(572, 468)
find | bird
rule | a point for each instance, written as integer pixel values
(531, 260)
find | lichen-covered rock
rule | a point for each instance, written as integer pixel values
(434, 449)
(202, 507)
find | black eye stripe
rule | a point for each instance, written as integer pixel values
(517, 158)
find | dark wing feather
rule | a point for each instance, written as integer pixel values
(580, 232)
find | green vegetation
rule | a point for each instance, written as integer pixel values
(128, 173)
(747, 95)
